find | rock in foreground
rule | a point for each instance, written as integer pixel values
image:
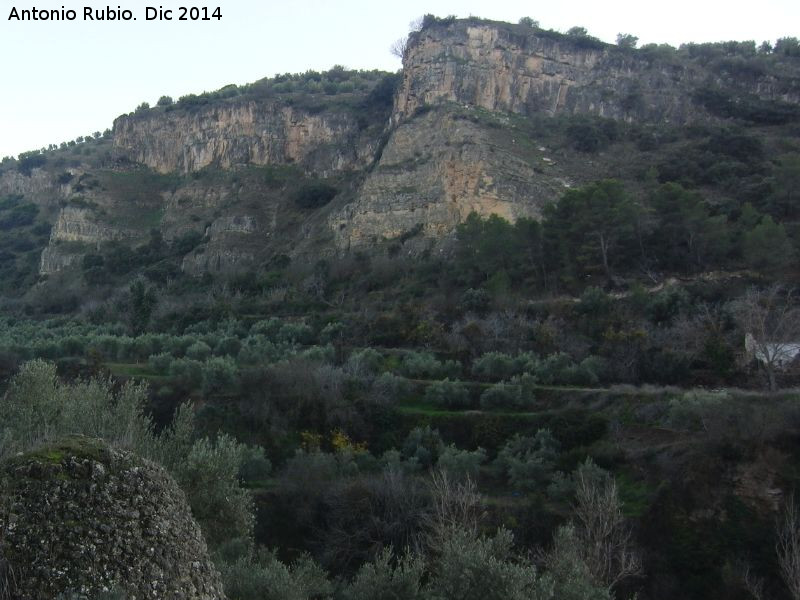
(78, 517)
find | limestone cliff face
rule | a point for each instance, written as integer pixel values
(436, 170)
(78, 224)
(241, 132)
(229, 248)
(77, 228)
(40, 187)
(501, 67)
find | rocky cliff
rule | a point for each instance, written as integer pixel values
(455, 136)
(78, 517)
(438, 168)
(510, 68)
(455, 147)
(242, 132)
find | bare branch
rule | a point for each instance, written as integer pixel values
(788, 546)
(608, 541)
(752, 583)
(398, 47)
(456, 505)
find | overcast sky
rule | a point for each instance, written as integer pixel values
(61, 80)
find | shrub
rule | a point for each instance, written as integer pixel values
(494, 366)
(389, 388)
(386, 578)
(264, 577)
(528, 461)
(477, 301)
(210, 477)
(219, 375)
(228, 346)
(160, 363)
(198, 351)
(423, 446)
(552, 369)
(461, 463)
(501, 395)
(423, 365)
(483, 568)
(448, 394)
(254, 467)
(295, 333)
(187, 371)
(268, 328)
(364, 363)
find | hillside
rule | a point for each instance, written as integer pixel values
(378, 311)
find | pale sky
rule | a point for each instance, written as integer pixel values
(61, 80)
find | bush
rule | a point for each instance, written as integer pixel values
(386, 578)
(187, 371)
(254, 467)
(461, 463)
(502, 395)
(198, 351)
(363, 364)
(477, 301)
(160, 363)
(264, 577)
(423, 446)
(483, 568)
(448, 394)
(423, 365)
(228, 346)
(389, 388)
(219, 375)
(528, 461)
(210, 477)
(494, 366)
(295, 333)
(552, 369)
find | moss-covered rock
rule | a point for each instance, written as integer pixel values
(79, 518)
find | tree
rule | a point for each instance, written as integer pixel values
(786, 183)
(399, 47)
(788, 547)
(528, 22)
(607, 540)
(577, 32)
(486, 247)
(687, 232)
(589, 226)
(767, 247)
(771, 324)
(388, 577)
(143, 301)
(626, 40)
(165, 101)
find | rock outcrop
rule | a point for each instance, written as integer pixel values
(509, 68)
(438, 168)
(242, 132)
(39, 187)
(78, 517)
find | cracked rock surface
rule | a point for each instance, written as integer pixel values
(79, 518)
